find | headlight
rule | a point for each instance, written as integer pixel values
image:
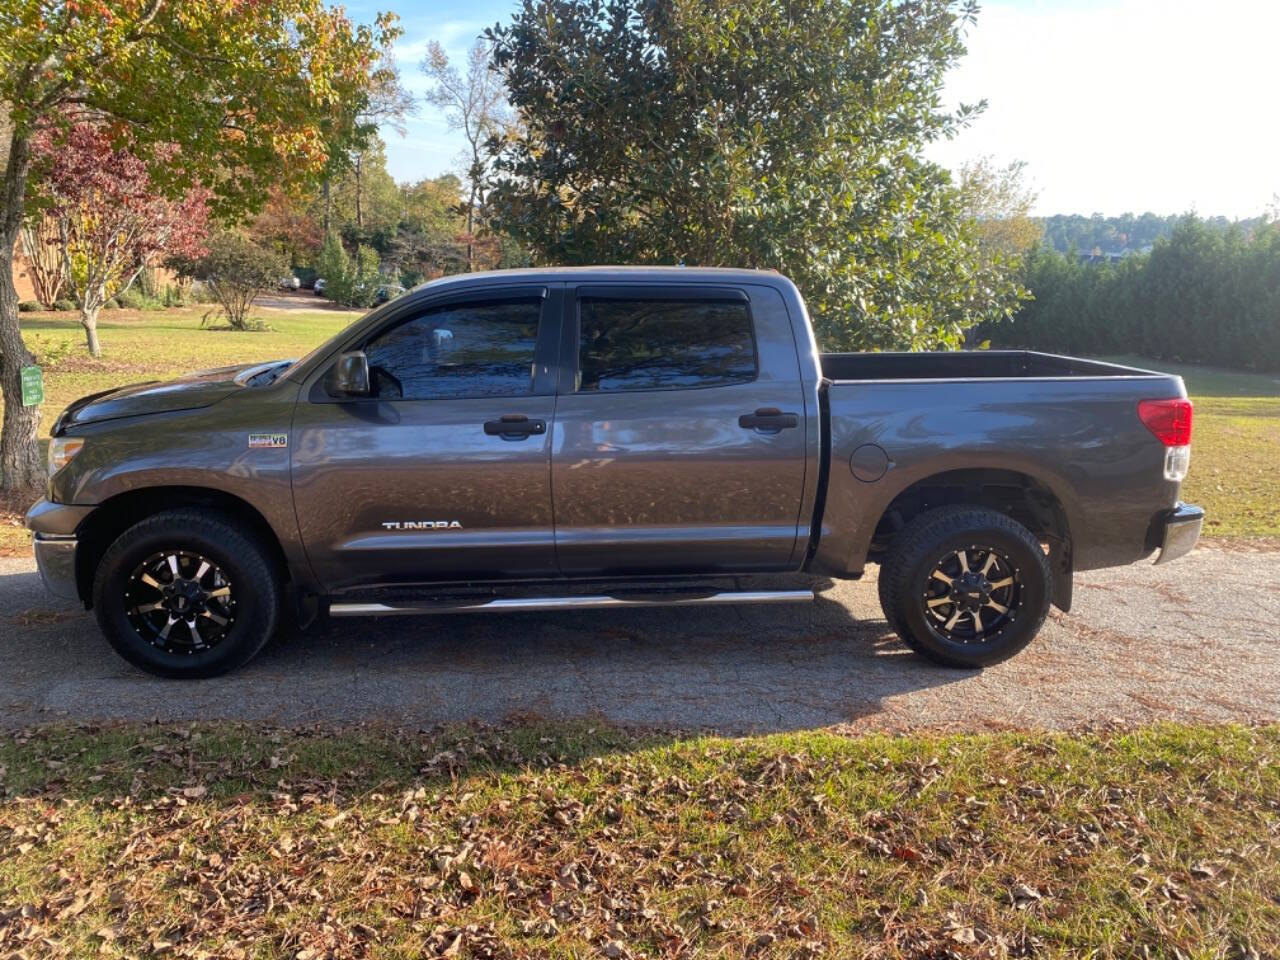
(62, 450)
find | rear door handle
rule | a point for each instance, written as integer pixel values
(515, 426)
(768, 420)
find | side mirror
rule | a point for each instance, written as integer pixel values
(349, 375)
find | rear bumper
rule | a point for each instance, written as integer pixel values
(1178, 531)
(56, 560)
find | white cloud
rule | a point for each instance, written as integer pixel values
(1129, 105)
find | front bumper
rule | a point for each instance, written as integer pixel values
(1178, 531)
(56, 560)
(54, 526)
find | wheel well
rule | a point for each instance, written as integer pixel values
(1017, 495)
(114, 516)
(1022, 497)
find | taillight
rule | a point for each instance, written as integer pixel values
(1169, 420)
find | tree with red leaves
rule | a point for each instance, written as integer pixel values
(112, 222)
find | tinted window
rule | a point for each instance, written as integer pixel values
(465, 350)
(664, 344)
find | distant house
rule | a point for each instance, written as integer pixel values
(1114, 256)
(22, 275)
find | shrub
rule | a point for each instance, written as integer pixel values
(136, 299)
(29, 306)
(64, 305)
(112, 304)
(332, 263)
(235, 270)
(50, 353)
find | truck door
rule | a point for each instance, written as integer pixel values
(679, 440)
(443, 472)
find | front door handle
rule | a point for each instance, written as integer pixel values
(515, 426)
(768, 420)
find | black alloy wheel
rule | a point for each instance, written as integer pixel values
(188, 593)
(972, 594)
(965, 586)
(180, 602)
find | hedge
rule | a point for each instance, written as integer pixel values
(1203, 295)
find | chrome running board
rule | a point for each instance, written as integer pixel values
(510, 604)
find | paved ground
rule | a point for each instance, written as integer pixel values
(1197, 639)
(298, 300)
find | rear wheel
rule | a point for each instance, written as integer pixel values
(186, 594)
(965, 586)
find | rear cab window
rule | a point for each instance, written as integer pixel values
(663, 342)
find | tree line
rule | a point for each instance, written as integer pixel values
(1204, 294)
(1124, 234)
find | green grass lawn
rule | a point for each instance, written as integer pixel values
(584, 842)
(150, 345)
(1235, 466)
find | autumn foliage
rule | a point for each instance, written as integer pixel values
(112, 222)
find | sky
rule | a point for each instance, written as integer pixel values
(1115, 105)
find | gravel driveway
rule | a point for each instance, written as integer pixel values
(1194, 640)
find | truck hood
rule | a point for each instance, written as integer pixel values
(190, 392)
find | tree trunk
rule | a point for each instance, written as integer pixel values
(328, 204)
(471, 225)
(89, 320)
(44, 259)
(20, 466)
(359, 184)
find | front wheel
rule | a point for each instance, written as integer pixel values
(186, 594)
(965, 586)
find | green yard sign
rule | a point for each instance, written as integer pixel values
(32, 386)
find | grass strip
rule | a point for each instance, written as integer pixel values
(578, 841)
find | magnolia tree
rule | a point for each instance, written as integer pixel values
(751, 133)
(235, 96)
(111, 221)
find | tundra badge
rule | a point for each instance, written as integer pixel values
(421, 525)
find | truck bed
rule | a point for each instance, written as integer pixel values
(1001, 418)
(968, 365)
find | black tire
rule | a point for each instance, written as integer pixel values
(949, 535)
(236, 558)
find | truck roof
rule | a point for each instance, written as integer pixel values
(607, 274)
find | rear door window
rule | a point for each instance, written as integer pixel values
(663, 344)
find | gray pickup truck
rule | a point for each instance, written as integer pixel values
(605, 437)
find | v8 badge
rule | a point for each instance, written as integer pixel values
(260, 441)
